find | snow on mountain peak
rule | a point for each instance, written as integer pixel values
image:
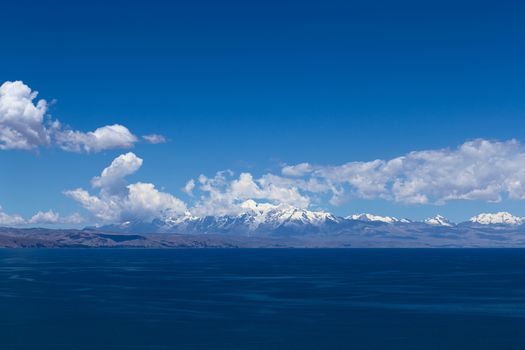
(264, 218)
(370, 217)
(438, 220)
(500, 218)
(277, 214)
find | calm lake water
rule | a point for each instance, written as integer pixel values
(262, 299)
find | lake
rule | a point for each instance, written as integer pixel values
(262, 299)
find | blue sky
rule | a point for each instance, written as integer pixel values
(252, 86)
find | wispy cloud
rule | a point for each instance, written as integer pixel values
(154, 139)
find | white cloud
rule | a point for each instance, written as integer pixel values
(112, 178)
(104, 138)
(223, 195)
(48, 217)
(21, 120)
(23, 125)
(10, 220)
(74, 219)
(477, 170)
(103, 209)
(154, 139)
(296, 170)
(188, 188)
(118, 201)
(144, 201)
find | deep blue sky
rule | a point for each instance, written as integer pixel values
(248, 85)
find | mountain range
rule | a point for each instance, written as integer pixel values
(266, 225)
(267, 219)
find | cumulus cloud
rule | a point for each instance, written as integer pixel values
(49, 217)
(112, 178)
(480, 170)
(24, 125)
(21, 120)
(118, 201)
(106, 137)
(10, 220)
(476, 170)
(224, 194)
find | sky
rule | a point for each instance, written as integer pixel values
(147, 109)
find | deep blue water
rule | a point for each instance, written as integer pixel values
(262, 299)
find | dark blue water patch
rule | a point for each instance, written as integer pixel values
(262, 299)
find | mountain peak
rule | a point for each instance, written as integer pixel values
(500, 218)
(264, 212)
(371, 217)
(438, 220)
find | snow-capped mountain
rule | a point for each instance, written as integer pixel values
(254, 217)
(371, 218)
(265, 213)
(438, 220)
(501, 218)
(265, 220)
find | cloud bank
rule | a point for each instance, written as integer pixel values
(51, 218)
(476, 170)
(481, 170)
(10, 220)
(41, 218)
